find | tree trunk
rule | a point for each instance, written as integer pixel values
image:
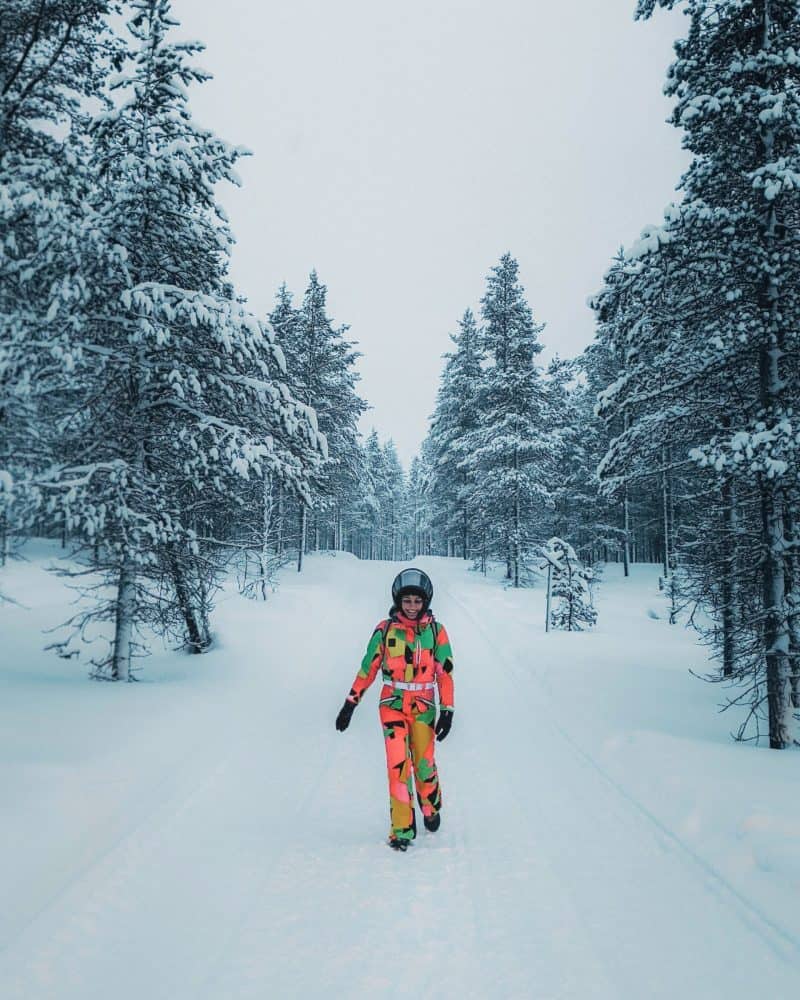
(123, 626)
(266, 529)
(793, 597)
(549, 596)
(517, 524)
(196, 640)
(771, 385)
(665, 514)
(279, 541)
(626, 518)
(570, 597)
(776, 633)
(729, 582)
(626, 527)
(302, 542)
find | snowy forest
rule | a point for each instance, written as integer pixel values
(170, 436)
(416, 345)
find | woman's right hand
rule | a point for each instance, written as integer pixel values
(345, 715)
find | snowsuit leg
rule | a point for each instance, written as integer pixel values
(423, 745)
(408, 722)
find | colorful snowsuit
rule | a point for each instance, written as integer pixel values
(409, 652)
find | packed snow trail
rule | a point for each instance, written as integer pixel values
(244, 854)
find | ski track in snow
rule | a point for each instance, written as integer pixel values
(785, 944)
(258, 866)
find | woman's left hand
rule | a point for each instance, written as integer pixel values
(443, 724)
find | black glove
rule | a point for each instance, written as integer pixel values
(345, 715)
(444, 723)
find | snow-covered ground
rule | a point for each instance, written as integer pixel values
(206, 834)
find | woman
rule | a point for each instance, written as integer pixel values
(413, 651)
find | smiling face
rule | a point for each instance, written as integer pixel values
(411, 605)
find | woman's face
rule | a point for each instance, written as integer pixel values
(411, 605)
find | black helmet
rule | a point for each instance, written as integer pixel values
(412, 581)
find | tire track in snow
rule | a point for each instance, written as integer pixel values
(96, 901)
(489, 917)
(526, 908)
(333, 869)
(212, 981)
(103, 906)
(153, 803)
(782, 942)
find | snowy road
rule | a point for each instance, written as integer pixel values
(241, 851)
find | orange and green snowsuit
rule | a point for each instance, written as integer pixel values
(415, 660)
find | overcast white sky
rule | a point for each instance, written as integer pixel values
(401, 148)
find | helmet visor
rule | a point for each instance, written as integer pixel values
(412, 581)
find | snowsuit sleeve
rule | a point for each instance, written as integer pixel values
(443, 663)
(369, 665)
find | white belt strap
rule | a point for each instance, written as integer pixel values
(408, 685)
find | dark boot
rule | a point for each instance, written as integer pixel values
(397, 844)
(432, 823)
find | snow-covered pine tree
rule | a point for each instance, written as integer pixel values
(511, 449)
(321, 373)
(580, 515)
(569, 453)
(571, 606)
(736, 84)
(367, 519)
(393, 502)
(610, 514)
(178, 394)
(381, 475)
(262, 528)
(669, 386)
(650, 363)
(455, 419)
(415, 505)
(52, 60)
(429, 537)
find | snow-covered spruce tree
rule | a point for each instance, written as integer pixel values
(385, 520)
(366, 537)
(260, 531)
(735, 81)
(669, 385)
(415, 505)
(394, 487)
(179, 404)
(426, 535)
(511, 449)
(408, 516)
(571, 606)
(615, 535)
(430, 539)
(454, 420)
(650, 364)
(321, 373)
(380, 477)
(577, 510)
(52, 60)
